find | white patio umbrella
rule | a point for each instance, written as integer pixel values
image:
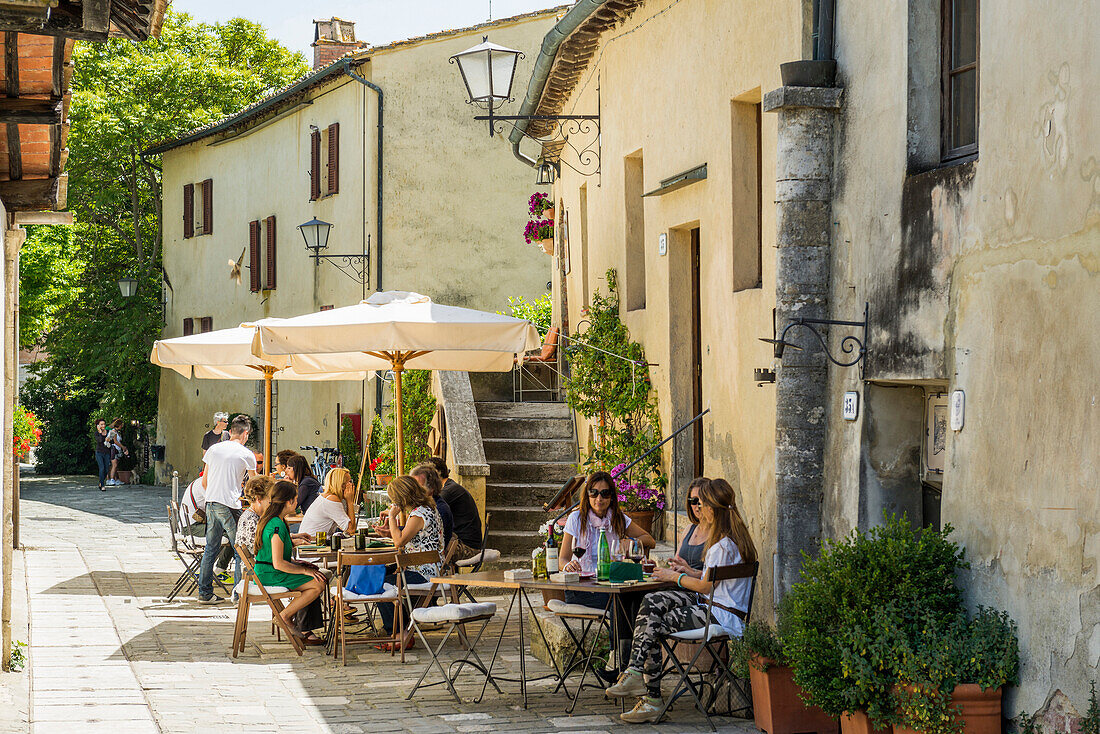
(227, 354)
(397, 330)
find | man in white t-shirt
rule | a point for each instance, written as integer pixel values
(228, 465)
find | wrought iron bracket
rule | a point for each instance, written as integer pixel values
(353, 266)
(849, 345)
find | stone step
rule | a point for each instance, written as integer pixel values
(520, 494)
(522, 410)
(513, 542)
(531, 471)
(511, 517)
(530, 449)
(497, 427)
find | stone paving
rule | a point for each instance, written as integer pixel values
(109, 654)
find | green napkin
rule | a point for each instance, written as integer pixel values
(625, 571)
(379, 544)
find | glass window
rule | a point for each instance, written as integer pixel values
(960, 49)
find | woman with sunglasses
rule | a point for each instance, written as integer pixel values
(675, 610)
(689, 559)
(599, 508)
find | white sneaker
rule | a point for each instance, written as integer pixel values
(646, 711)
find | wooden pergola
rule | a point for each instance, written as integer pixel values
(37, 40)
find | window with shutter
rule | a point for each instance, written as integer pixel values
(208, 206)
(206, 324)
(188, 327)
(333, 158)
(188, 211)
(254, 255)
(269, 270)
(315, 165)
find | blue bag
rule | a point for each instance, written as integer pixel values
(366, 580)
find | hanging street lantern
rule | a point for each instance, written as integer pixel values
(127, 286)
(487, 71)
(315, 233)
(545, 173)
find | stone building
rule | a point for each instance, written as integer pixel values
(373, 143)
(945, 184)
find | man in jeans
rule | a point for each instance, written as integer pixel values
(227, 465)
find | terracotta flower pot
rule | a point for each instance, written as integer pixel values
(383, 479)
(980, 710)
(547, 245)
(548, 213)
(644, 519)
(777, 707)
(858, 723)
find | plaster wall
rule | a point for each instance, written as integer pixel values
(668, 78)
(455, 204)
(984, 277)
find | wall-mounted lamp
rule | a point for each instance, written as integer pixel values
(848, 345)
(128, 286)
(315, 233)
(545, 173)
(763, 375)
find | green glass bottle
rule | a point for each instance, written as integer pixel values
(603, 557)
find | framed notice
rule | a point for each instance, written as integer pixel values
(563, 241)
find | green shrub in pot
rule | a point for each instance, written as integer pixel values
(759, 639)
(859, 602)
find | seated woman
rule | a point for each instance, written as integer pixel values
(423, 531)
(599, 508)
(333, 510)
(256, 491)
(675, 610)
(689, 559)
(309, 489)
(273, 565)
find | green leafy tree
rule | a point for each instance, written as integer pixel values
(349, 447)
(419, 409)
(126, 97)
(538, 311)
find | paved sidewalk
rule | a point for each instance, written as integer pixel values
(108, 654)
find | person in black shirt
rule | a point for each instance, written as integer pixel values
(309, 489)
(217, 434)
(429, 478)
(467, 520)
(102, 452)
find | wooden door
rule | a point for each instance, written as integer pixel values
(696, 356)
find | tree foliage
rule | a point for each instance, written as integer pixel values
(418, 409)
(126, 97)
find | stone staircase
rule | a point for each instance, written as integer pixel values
(532, 452)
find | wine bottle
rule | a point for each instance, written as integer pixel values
(551, 550)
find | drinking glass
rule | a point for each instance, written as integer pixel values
(321, 535)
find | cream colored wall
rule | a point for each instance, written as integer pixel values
(667, 78)
(455, 205)
(1013, 303)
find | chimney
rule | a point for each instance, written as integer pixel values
(332, 39)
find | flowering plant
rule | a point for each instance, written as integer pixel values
(538, 203)
(28, 432)
(538, 229)
(636, 496)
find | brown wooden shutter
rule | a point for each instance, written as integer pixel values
(208, 206)
(270, 224)
(188, 327)
(188, 211)
(334, 158)
(206, 324)
(254, 255)
(315, 165)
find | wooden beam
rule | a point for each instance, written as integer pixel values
(22, 111)
(96, 15)
(45, 217)
(29, 195)
(11, 63)
(57, 68)
(15, 153)
(130, 21)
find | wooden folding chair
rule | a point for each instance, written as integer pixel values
(449, 617)
(276, 598)
(345, 600)
(712, 641)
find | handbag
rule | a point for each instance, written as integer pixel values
(366, 580)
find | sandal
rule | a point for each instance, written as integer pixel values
(312, 640)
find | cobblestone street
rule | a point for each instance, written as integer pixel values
(98, 567)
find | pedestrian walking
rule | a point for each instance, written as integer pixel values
(227, 465)
(217, 434)
(114, 440)
(102, 452)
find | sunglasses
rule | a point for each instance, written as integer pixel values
(605, 493)
(693, 501)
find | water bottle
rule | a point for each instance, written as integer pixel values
(603, 557)
(551, 550)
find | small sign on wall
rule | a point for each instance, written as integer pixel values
(958, 410)
(851, 405)
(662, 244)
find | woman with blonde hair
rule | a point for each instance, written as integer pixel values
(675, 610)
(335, 509)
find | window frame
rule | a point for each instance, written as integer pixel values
(969, 151)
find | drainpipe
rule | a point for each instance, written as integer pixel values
(570, 22)
(378, 244)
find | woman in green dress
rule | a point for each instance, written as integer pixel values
(273, 552)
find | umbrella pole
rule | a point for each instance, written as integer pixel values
(268, 374)
(399, 423)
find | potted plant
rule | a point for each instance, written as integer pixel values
(26, 432)
(777, 704)
(861, 601)
(382, 470)
(540, 232)
(639, 501)
(540, 206)
(951, 679)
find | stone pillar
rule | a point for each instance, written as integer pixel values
(804, 172)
